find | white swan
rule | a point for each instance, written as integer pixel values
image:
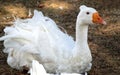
(40, 39)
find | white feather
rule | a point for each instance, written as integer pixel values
(39, 38)
(37, 69)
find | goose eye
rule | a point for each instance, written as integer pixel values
(87, 13)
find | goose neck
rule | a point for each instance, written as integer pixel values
(81, 34)
(81, 45)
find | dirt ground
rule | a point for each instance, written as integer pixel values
(104, 40)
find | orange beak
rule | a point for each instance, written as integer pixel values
(97, 19)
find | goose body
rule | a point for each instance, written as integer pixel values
(39, 38)
(38, 69)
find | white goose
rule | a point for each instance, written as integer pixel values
(40, 39)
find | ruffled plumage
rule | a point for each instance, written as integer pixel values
(39, 38)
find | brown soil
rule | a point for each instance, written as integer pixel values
(104, 40)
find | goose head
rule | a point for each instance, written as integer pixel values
(89, 16)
